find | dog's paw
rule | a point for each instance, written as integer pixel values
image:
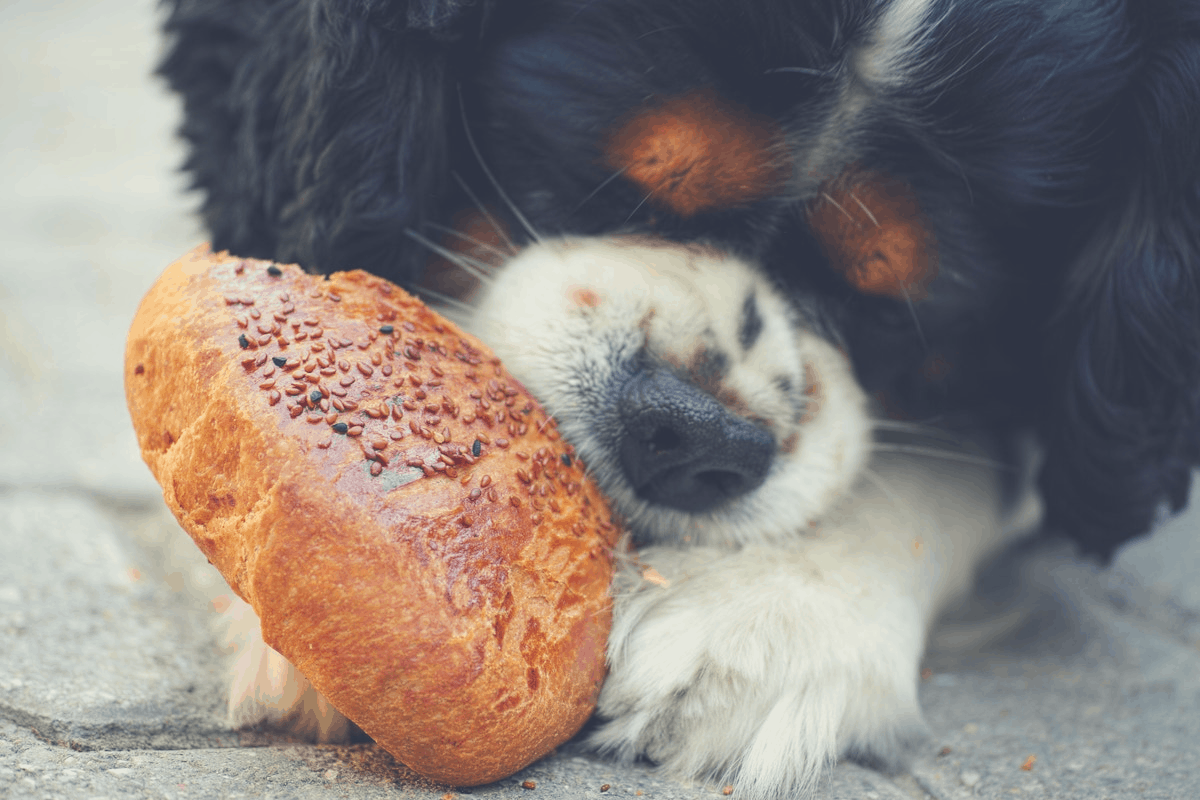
(267, 689)
(759, 667)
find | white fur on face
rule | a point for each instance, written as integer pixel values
(570, 317)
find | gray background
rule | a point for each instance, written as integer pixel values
(109, 680)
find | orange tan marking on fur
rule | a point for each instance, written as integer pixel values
(874, 232)
(699, 152)
(476, 236)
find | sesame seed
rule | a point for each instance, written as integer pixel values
(273, 397)
(243, 341)
(267, 384)
(340, 427)
(355, 430)
(386, 329)
(502, 443)
(324, 443)
(274, 271)
(376, 468)
(485, 481)
(476, 447)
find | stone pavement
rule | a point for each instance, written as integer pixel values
(109, 680)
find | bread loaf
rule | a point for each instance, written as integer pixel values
(401, 514)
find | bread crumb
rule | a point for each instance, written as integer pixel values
(1029, 762)
(728, 790)
(605, 787)
(529, 785)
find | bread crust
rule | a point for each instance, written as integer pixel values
(447, 591)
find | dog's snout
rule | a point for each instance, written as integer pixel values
(683, 449)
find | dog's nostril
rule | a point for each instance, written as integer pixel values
(664, 440)
(681, 448)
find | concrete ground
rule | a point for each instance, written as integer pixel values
(109, 671)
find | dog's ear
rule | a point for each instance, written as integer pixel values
(320, 129)
(1124, 351)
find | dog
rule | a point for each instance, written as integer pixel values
(837, 298)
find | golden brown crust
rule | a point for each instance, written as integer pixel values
(441, 575)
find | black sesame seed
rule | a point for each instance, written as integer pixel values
(243, 341)
(340, 427)
(315, 396)
(278, 361)
(566, 459)
(386, 329)
(476, 448)
(274, 271)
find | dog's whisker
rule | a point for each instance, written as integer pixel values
(866, 210)
(444, 300)
(929, 427)
(912, 312)
(637, 208)
(947, 455)
(599, 189)
(877, 479)
(496, 226)
(839, 207)
(477, 269)
(818, 73)
(482, 245)
(516, 212)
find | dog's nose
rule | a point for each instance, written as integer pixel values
(683, 449)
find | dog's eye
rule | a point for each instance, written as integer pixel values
(874, 234)
(698, 152)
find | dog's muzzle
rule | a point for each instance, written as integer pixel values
(681, 448)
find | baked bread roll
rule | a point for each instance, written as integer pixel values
(401, 514)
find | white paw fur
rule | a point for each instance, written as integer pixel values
(265, 689)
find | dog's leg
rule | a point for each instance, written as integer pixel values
(266, 689)
(762, 665)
